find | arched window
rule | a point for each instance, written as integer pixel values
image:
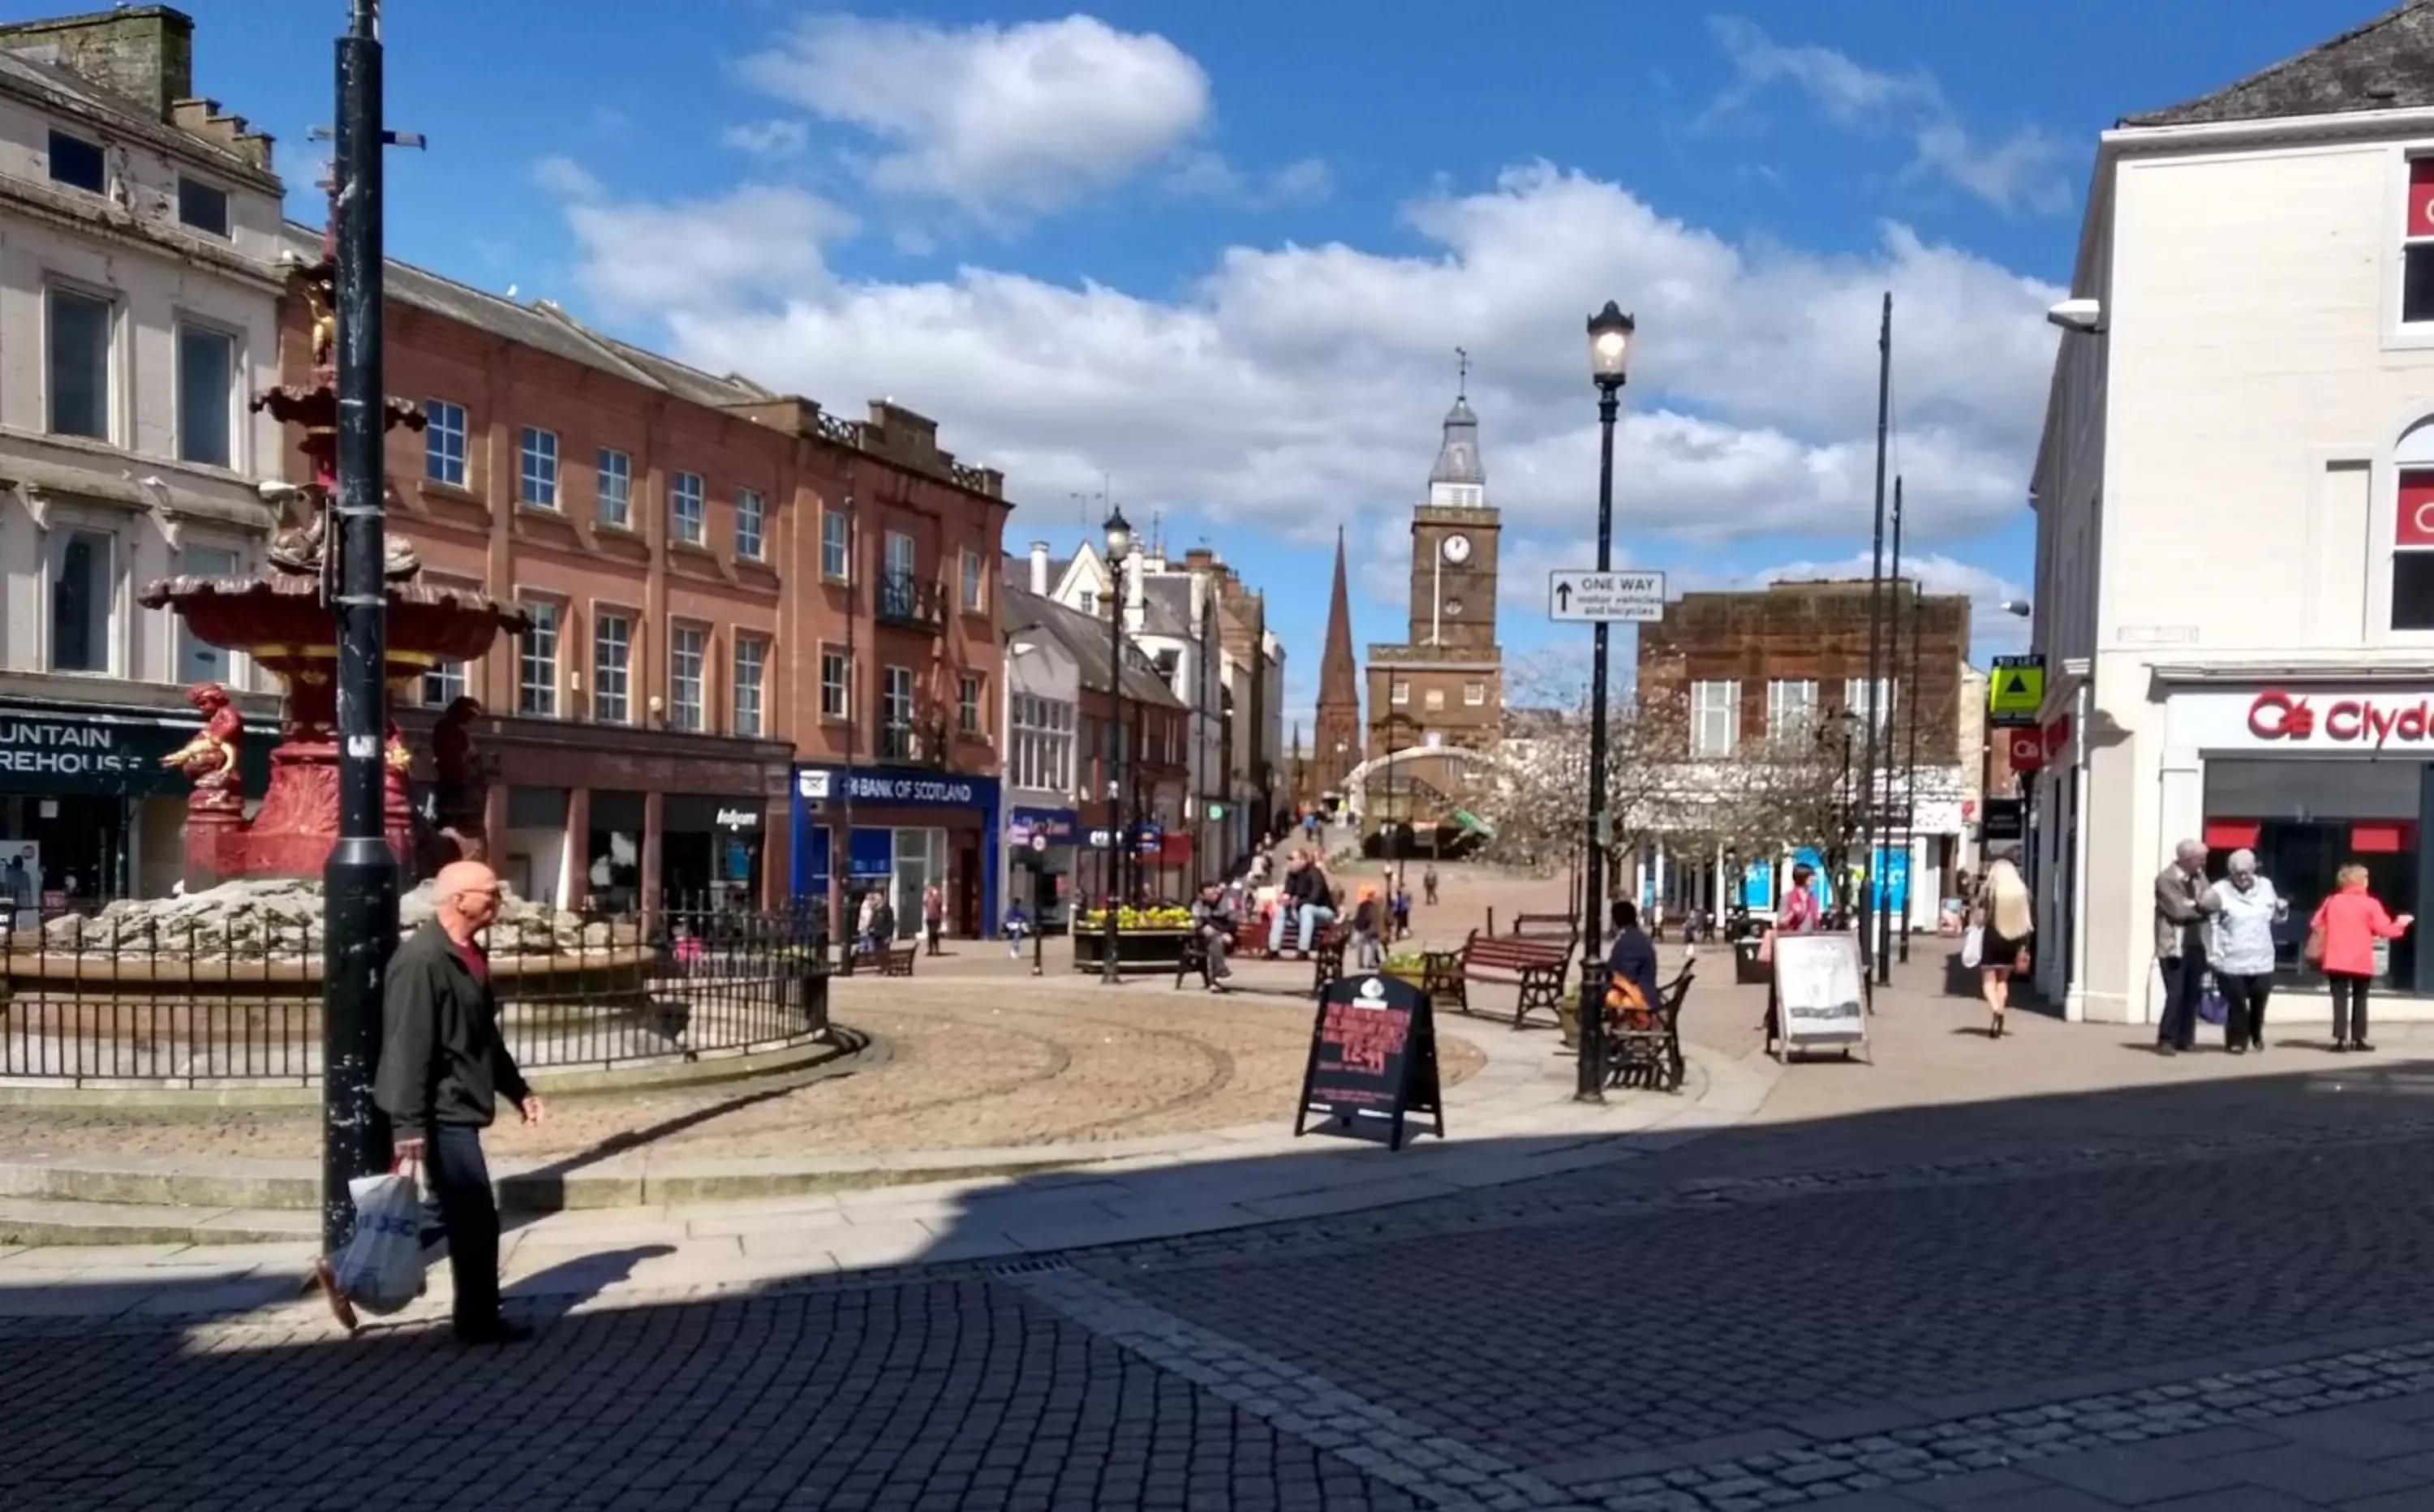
(2412, 530)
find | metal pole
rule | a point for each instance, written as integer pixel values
(1882, 922)
(853, 716)
(1590, 1086)
(1117, 838)
(1910, 759)
(360, 902)
(1866, 783)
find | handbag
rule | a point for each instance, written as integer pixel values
(2212, 1005)
(1622, 996)
(1973, 945)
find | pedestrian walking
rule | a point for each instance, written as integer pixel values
(882, 922)
(2185, 906)
(1401, 910)
(1368, 919)
(2341, 940)
(933, 915)
(2247, 910)
(2006, 919)
(1428, 885)
(442, 1069)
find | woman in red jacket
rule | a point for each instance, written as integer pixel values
(2341, 942)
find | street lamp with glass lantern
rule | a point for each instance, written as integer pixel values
(1610, 333)
(1120, 540)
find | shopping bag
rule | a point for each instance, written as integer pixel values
(2212, 1005)
(1973, 947)
(380, 1268)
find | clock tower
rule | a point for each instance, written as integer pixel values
(1454, 545)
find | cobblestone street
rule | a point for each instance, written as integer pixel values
(2132, 1284)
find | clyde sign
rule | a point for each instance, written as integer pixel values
(2373, 722)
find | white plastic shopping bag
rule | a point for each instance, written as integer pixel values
(1973, 947)
(379, 1271)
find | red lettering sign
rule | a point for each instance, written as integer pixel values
(2412, 521)
(2421, 196)
(2027, 750)
(2274, 715)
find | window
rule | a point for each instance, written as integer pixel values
(1040, 742)
(836, 683)
(443, 685)
(686, 513)
(536, 468)
(202, 206)
(968, 703)
(1398, 691)
(198, 660)
(83, 589)
(751, 658)
(2417, 246)
(1474, 695)
(1854, 699)
(76, 163)
(614, 471)
(613, 668)
(80, 366)
(1090, 602)
(973, 583)
(443, 442)
(1715, 718)
(1790, 708)
(896, 709)
(836, 543)
(750, 512)
(685, 656)
(1434, 698)
(898, 558)
(536, 658)
(206, 396)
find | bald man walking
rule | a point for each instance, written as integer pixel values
(442, 1070)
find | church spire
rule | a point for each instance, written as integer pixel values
(1339, 747)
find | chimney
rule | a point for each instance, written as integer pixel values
(1040, 568)
(144, 53)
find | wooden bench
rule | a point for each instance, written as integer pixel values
(1533, 964)
(893, 960)
(1645, 1048)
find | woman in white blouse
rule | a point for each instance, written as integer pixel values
(2242, 951)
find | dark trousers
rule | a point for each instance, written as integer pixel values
(2243, 1002)
(936, 929)
(2184, 984)
(2349, 1007)
(460, 1184)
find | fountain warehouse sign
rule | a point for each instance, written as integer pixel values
(65, 748)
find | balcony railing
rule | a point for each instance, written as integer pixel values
(909, 602)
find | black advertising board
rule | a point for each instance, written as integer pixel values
(2007, 820)
(1373, 1062)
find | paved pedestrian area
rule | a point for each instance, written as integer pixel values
(2052, 1273)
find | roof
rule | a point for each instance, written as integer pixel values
(1085, 639)
(1166, 605)
(2385, 64)
(1458, 458)
(24, 69)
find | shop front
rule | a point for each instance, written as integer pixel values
(88, 812)
(896, 832)
(1041, 849)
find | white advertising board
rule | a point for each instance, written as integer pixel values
(1821, 999)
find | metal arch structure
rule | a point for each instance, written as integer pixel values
(1356, 782)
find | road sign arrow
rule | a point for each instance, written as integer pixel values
(1564, 596)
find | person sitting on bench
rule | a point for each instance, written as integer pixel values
(1213, 921)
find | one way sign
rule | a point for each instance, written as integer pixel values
(1606, 598)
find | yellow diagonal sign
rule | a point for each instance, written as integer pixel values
(2017, 687)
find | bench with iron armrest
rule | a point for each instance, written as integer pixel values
(890, 960)
(1327, 956)
(1533, 964)
(1645, 1048)
(1195, 956)
(1545, 926)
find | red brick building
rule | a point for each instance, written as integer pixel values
(725, 582)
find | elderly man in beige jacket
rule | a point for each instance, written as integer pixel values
(2184, 904)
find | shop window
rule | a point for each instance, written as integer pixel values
(206, 396)
(2417, 246)
(536, 468)
(615, 471)
(83, 586)
(612, 668)
(443, 442)
(536, 662)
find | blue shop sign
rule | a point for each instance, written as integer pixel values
(1147, 839)
(907, 789)
(1057, 824)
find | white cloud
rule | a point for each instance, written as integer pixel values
(1203, 174)
(776, 140)
(2020, 171)
(991, 119)
(1295, 387)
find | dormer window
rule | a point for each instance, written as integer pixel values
(77, 164)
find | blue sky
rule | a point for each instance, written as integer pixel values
(1221, 255)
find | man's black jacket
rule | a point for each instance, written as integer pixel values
(442, 1059)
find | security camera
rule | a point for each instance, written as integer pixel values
(2085, 317)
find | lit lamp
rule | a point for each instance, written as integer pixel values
(1610, 337)
(1120, 540)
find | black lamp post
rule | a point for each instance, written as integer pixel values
(1610, 337)
(1120, 540)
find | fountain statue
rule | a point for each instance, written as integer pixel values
(284, 622)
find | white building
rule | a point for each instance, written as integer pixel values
(2236, 505)
(139, 307)
(1043, 695)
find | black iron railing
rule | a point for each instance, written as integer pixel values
(910, 602)
(103, 1000)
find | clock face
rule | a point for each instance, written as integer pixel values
(1457, 548)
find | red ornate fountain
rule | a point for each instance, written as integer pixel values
(285, 623)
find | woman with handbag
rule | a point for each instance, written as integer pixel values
(2340, 941)
(2006, 921)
